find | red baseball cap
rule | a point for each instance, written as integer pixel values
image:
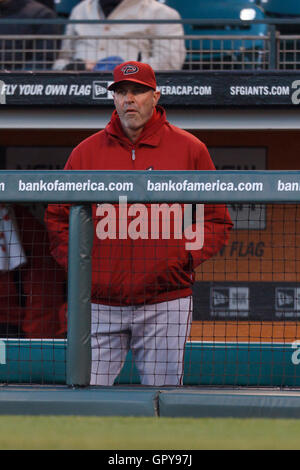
(132, 71)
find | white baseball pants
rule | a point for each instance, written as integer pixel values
(156, 335)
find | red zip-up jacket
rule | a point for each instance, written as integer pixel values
(133, 272)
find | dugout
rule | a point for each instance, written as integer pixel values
(244, 130)
(248, 120)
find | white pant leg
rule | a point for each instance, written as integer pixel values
(159, 334)
(109, 341)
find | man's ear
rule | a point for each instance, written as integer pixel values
(156, 96)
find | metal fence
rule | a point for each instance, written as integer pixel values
(288, 52)
(227, 51)
(81, 53)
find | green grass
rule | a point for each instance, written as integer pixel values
(119, 433)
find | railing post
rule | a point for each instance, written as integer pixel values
(79, 296)
(273, 47)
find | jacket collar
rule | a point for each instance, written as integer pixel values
(151, 134)
(114, 14)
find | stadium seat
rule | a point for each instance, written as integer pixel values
(219, 47)
(281, 8)
(289, 48)
(178, 4)
(191, 8)
(64, 7)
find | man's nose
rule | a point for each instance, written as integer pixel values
(129, 96)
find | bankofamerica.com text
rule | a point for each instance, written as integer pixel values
(128, 186)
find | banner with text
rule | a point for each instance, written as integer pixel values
(177, 89)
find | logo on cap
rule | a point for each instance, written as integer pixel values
(129, 69)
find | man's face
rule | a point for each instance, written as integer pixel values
(134, 104)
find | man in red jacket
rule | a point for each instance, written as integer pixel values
(141, 286)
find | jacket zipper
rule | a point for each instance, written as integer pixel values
(133, 154)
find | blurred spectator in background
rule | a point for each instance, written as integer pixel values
(48, 3)
(26, 54)
(141, 41)
(32, 285)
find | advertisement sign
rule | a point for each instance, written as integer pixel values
(182, 88)
(251, 301)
